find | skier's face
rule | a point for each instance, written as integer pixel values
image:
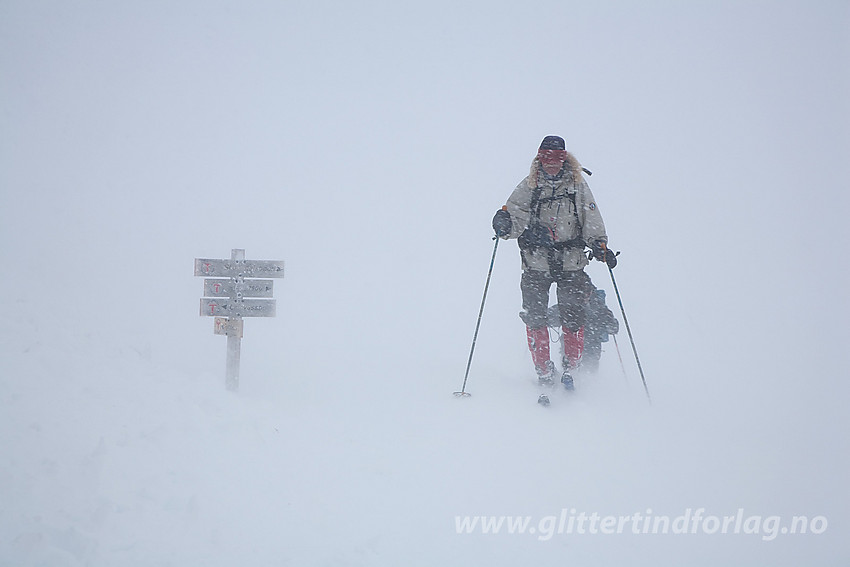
(552, 160)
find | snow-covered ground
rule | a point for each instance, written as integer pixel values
(368, 146)
(113, 457)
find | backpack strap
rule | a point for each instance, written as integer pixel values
(572, 197)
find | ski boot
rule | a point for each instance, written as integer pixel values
(546, 375)
(567, 381)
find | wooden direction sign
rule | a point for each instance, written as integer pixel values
(229, 281)
(226, 307)
(234, 289)
(239, 268)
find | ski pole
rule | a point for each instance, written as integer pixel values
(620, 357)
(626, 321)
(463, 391)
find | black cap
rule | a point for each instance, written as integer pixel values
(552, 143)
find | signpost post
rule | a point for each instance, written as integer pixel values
(224, 299)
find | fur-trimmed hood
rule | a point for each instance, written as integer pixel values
(568, 209)
(574, 170)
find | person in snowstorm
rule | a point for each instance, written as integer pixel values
(553, 216)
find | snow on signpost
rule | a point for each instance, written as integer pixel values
(225, 295)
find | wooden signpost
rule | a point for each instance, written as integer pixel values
(225, 292)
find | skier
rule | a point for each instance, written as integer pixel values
(553, 216)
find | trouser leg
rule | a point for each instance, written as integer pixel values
(538, 345)
(574, 290)
(573, 347)
(535, 300)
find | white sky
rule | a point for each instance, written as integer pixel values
(370, 143)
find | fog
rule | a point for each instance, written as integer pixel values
(368, 145)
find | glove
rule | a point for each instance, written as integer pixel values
(602, 254)
(502, 223)
(536, 236)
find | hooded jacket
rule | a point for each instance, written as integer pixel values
(563, 204)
